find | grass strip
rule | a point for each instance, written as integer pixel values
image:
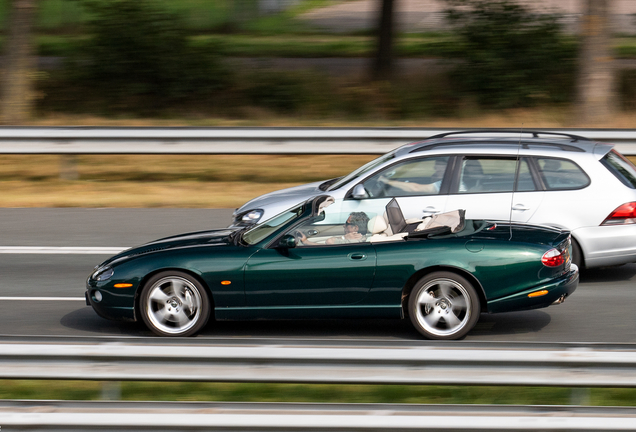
(304, 46)
(199, 181)
(158, 181)
(319, 393)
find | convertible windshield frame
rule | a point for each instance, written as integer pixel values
(265, 229)
(369, 166)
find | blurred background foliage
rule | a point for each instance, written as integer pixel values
(512, 57)
(222, 58)
(138, 54)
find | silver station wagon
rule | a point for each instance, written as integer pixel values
(543, 178)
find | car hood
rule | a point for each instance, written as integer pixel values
(284, 198)
(219, 237)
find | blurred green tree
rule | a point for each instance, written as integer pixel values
(511, 56)
(242, 11)
(136, 50)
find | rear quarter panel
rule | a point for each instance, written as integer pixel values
(587, 207)
(501, 267)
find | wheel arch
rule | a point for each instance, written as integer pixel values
(577, 244)
(415, 277)
(189, 272)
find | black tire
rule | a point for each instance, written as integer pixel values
(443, 306)
(577, 255)
(173, 303)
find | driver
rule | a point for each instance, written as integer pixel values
(440, 167)
(355, 230)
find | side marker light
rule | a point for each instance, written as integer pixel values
(538, 293)
(226, 282)
(123, 285)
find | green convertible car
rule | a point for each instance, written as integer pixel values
(313, 261)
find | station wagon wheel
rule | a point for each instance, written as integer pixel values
(174, 304)
(577, 255)
(443, 305)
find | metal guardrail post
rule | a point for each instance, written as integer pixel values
(111, 391)
(68, 167)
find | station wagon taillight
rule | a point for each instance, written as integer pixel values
(553, 258)
(625, 214)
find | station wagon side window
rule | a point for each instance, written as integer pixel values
(489, 175)
(560, 174)
(409, 178)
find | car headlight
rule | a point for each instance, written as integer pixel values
(103, 273)
(252, 216)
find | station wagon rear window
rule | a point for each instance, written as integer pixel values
(622, 168)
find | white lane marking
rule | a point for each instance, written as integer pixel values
(42, 299)
(80, 250)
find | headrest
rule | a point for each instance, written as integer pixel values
(377, 224)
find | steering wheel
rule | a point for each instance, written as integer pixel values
(377, 188)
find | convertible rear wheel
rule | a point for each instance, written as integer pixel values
(174, 304)
(443, 305)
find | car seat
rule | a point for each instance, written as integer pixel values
(472, 174)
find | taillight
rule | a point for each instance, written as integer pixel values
(553, 258)
(625, 214)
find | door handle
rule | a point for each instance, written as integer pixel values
(520, 207)
(430, 210)
(356, 256)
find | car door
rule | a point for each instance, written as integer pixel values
(317, 275)
(419, 185)
(567, 196)
(490, 187)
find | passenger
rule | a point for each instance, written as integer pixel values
(355, 231)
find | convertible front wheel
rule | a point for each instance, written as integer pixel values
(443, 305)
(174, 304)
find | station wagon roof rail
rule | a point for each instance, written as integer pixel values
(423, 145)
(517, 132)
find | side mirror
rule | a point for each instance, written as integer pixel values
(288, 241)
(359, 192)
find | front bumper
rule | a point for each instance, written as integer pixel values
(115, 304)
(557, 290)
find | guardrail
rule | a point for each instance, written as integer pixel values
(161, 416)
(574, 366)
(222, 140)
(523, 364)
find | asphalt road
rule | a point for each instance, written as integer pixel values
(42, 294)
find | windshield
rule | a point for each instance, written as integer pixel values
(262, 231)
(362, 170)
